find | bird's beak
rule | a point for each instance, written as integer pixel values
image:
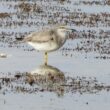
(71, 30)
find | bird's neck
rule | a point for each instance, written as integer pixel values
(62, 37)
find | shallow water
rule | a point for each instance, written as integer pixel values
(86, 87)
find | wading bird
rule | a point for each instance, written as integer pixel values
(48, 40)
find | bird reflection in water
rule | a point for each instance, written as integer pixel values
(49, 78)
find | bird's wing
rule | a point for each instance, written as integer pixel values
(42, 36)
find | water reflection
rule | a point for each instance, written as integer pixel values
(49, 78)
(46, 70)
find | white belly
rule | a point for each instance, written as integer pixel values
(44, 46)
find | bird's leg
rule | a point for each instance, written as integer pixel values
(46, 58)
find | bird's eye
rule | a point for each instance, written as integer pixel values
(52, 38)
(62, 27)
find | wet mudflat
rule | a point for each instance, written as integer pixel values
(77, 75)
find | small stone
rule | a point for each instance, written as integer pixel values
(3, 55)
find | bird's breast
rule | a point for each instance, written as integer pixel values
(46, 46)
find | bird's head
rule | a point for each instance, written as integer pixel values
(64, 30)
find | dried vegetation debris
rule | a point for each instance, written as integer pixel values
(28, 7)
(26, 83)
(4, 15)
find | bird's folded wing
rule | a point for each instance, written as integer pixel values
(43, 36)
